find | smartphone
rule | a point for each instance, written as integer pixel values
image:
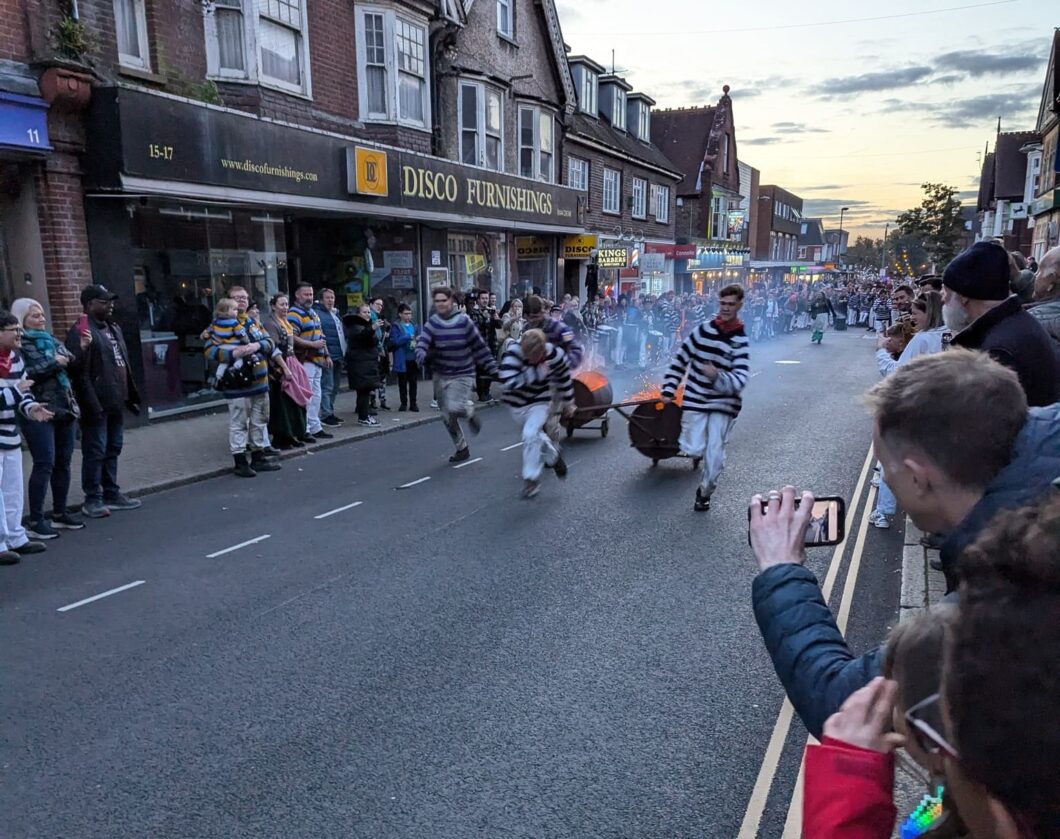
(827, 525)
(82, 324)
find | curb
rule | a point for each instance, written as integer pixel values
(324, 445)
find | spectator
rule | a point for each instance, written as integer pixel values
(311, 349)
(403, 336)
(362, 361)
(978, 307)
(335, 339)
(821, 310)
(951, 477)
(487, 322)
(512, 325)
(455, 350)
(1046, 308)
(246, 344)
(381, 329)
(558, 333)
(903, 302)
(289, 389)
(1021, 278)
(16, 400)
(104, 387)
(50, 443)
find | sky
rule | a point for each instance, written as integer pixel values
(844, 104)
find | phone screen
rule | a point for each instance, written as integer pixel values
(827, 525)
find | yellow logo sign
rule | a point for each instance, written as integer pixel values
(371, 172)
(578, 247)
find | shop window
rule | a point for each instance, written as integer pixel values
(505, 18)
(612, 191)
(258, 40)
(481, 121)
(473, 263)
(130, 24)
(640, 199)
(660, 202)
(536, 143)
(392, 68)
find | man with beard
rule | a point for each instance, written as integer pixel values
(977, 306)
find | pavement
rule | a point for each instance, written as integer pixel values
(373, 643)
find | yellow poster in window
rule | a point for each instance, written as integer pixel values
(474, 263)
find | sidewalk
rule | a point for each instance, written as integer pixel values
(172, 453)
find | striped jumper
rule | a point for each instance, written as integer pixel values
(728, 353)
(13, 403)
(525, 384)
(453, 347)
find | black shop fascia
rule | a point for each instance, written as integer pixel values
(185, 200)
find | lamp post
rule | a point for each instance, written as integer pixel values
(839, 251)
(883, 255)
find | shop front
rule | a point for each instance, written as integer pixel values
(186, 200)
(715, 267)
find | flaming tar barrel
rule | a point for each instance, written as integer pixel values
(592, 398)
(654, 429)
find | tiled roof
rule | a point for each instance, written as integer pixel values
(814, 234)
(682, 136)
(600, 131)
(1010, 165)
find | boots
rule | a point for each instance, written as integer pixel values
(259, 463)
(243, 469)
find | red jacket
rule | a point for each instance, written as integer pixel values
(848, 792)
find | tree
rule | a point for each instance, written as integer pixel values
(864, 253)
(936, 223)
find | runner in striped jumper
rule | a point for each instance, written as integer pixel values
(535, 376)
(716, 360)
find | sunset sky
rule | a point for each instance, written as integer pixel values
(845, 104)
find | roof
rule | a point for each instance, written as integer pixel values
(609, 78)
(588, 62)
(986, 183)
(682, 136)
(814, 234)
(643, 97)
(600, 131)
(1050, 106)
(1010, 164)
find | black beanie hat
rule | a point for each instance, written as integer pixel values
(981, 272)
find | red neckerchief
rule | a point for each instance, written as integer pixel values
(727, 327)
(6, 357)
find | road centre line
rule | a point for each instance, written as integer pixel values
(512, 446)
(339, 510)
(760, 793)
(237, 547)
(413, 483)
(92, 599)
(467, 463)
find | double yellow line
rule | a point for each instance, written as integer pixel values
(767, 772)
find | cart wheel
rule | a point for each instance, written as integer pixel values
(695, 463)
(570, 431)
(604, 428)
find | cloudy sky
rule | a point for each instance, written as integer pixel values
(845, 104)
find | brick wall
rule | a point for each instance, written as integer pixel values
(14, 30)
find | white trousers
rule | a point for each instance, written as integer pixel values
(704, 435)
(312, 410)
(248, 417)
(538, 448)
(12, 534)
(454, 402)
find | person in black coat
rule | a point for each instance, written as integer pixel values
(362, 360)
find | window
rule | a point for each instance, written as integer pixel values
(612, 190)
(231, 37)
(130, 22)
(480, 126)
(724, 153)
(618, 110)
(392, 68)
(640, 198)
(505, 23)
(536, 143)
(578, 173)
(258, 40)
(588, 92)
(660, 203)
(719, 218)
(644, 128)
(280, 42)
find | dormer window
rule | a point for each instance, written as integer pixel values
(618, 110)
(588, 93)
(644, 124)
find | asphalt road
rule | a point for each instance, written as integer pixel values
(443, 660)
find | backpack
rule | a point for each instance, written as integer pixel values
(240, 374)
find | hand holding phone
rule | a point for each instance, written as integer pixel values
(781, 526)
(82, 324)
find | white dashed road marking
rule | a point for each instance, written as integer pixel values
(467, 463)
(237, 547)
(413, 483)
(513, 446)
(339, 510)
(125, 587)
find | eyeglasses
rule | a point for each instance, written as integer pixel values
(927, 738)
(16, 329)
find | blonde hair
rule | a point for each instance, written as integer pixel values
(225, 307)
(532, 342)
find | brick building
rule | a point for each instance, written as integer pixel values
(375, 148)
(629, 189)
(1044, 183)
(701, 142)
(779, 220)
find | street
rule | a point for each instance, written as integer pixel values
(372, 643)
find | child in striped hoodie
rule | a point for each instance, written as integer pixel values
(15, 399)
(225, 329)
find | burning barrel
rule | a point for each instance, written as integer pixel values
(655, 428)
(592, 399)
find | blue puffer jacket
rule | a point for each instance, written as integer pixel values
(809, 653)
(330, 328)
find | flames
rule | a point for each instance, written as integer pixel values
(650, 392)
(592, 379)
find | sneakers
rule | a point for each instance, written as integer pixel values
(9, 558)
(434, 404)
(531, 488)
(461, 455)
(308, 439)
(30, 548)
(560, 467)
(122, 502)
(878, 519)
(876, 480)
(95, 510)
(702, 502)
(368, 423)
(474, 423)
(331, 422)
(42, 530)
(324, 435)
(64, 521)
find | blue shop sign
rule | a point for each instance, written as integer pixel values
(23, 123)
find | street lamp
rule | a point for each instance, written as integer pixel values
(883, 256)
(839, 252)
